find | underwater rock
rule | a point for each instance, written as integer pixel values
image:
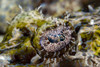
(58, 7)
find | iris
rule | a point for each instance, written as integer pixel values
(56, 38)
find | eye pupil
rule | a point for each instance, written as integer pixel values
(52, 40)
(62, 37)
(56, 38)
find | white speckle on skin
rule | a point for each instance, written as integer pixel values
(35, 59)
(21, 8)
(92, 22)
(90, 8)
(4, 60)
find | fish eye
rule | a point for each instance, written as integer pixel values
(55, 39)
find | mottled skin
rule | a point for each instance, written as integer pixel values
(91, 39)
(23, 34)
(17, 41)
(23, 38)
